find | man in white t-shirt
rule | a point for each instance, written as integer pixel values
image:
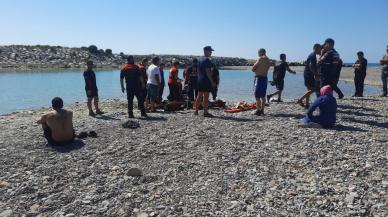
(153, 84)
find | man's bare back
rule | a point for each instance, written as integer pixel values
(60, 123)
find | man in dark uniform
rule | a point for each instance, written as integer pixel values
(134, 86)
(359, 74)
(331, 65)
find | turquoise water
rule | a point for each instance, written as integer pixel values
(27, 90)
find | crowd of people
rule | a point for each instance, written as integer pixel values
(201, 78)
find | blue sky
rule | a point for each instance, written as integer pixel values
(234, 28)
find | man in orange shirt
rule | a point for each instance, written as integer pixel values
(174, 83)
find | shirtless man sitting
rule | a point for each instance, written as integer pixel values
(58, 124)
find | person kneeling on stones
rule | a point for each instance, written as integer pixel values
(327, 105)
(58, 124)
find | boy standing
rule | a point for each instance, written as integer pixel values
(91, 88)
(260, 68)
(279, 74)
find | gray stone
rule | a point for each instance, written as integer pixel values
(6, 213)
(134, 172)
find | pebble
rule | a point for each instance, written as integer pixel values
(217, 167)
(143, 214)
(4, 184)
(6, 213)
(134, 172)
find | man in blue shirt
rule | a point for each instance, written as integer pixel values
(205, 83)
(311, 75)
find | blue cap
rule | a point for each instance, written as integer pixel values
(329, 40)
(208, 48)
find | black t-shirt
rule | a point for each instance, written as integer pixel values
(363, 64)
(192, 71)
(90, 80)
(216, 74)
(279, 71)
(311, 59)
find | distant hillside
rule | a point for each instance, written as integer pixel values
(44, 56)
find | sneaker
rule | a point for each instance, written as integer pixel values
(299, 102)
(383, 95)
(258, 112)
(208, 115)
(341, 96)
(130, 115)
(91, 114)
(196, 113)
(99, 112)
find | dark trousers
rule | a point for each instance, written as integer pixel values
(193, 91)
(359, 79)
(332, 80)
(214, 92)
(50, 141)
(384, 77)
(160, 92)
(131, 93)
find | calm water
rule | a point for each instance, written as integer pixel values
(26, 90)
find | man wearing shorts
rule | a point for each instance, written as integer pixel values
(279, 74)
(311, 75)
(153, 84)
(91, 88)
(205, 82)
(260, 68)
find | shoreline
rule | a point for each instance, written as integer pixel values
(347, 74)
(194, 166)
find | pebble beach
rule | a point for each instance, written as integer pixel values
(178, 164)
